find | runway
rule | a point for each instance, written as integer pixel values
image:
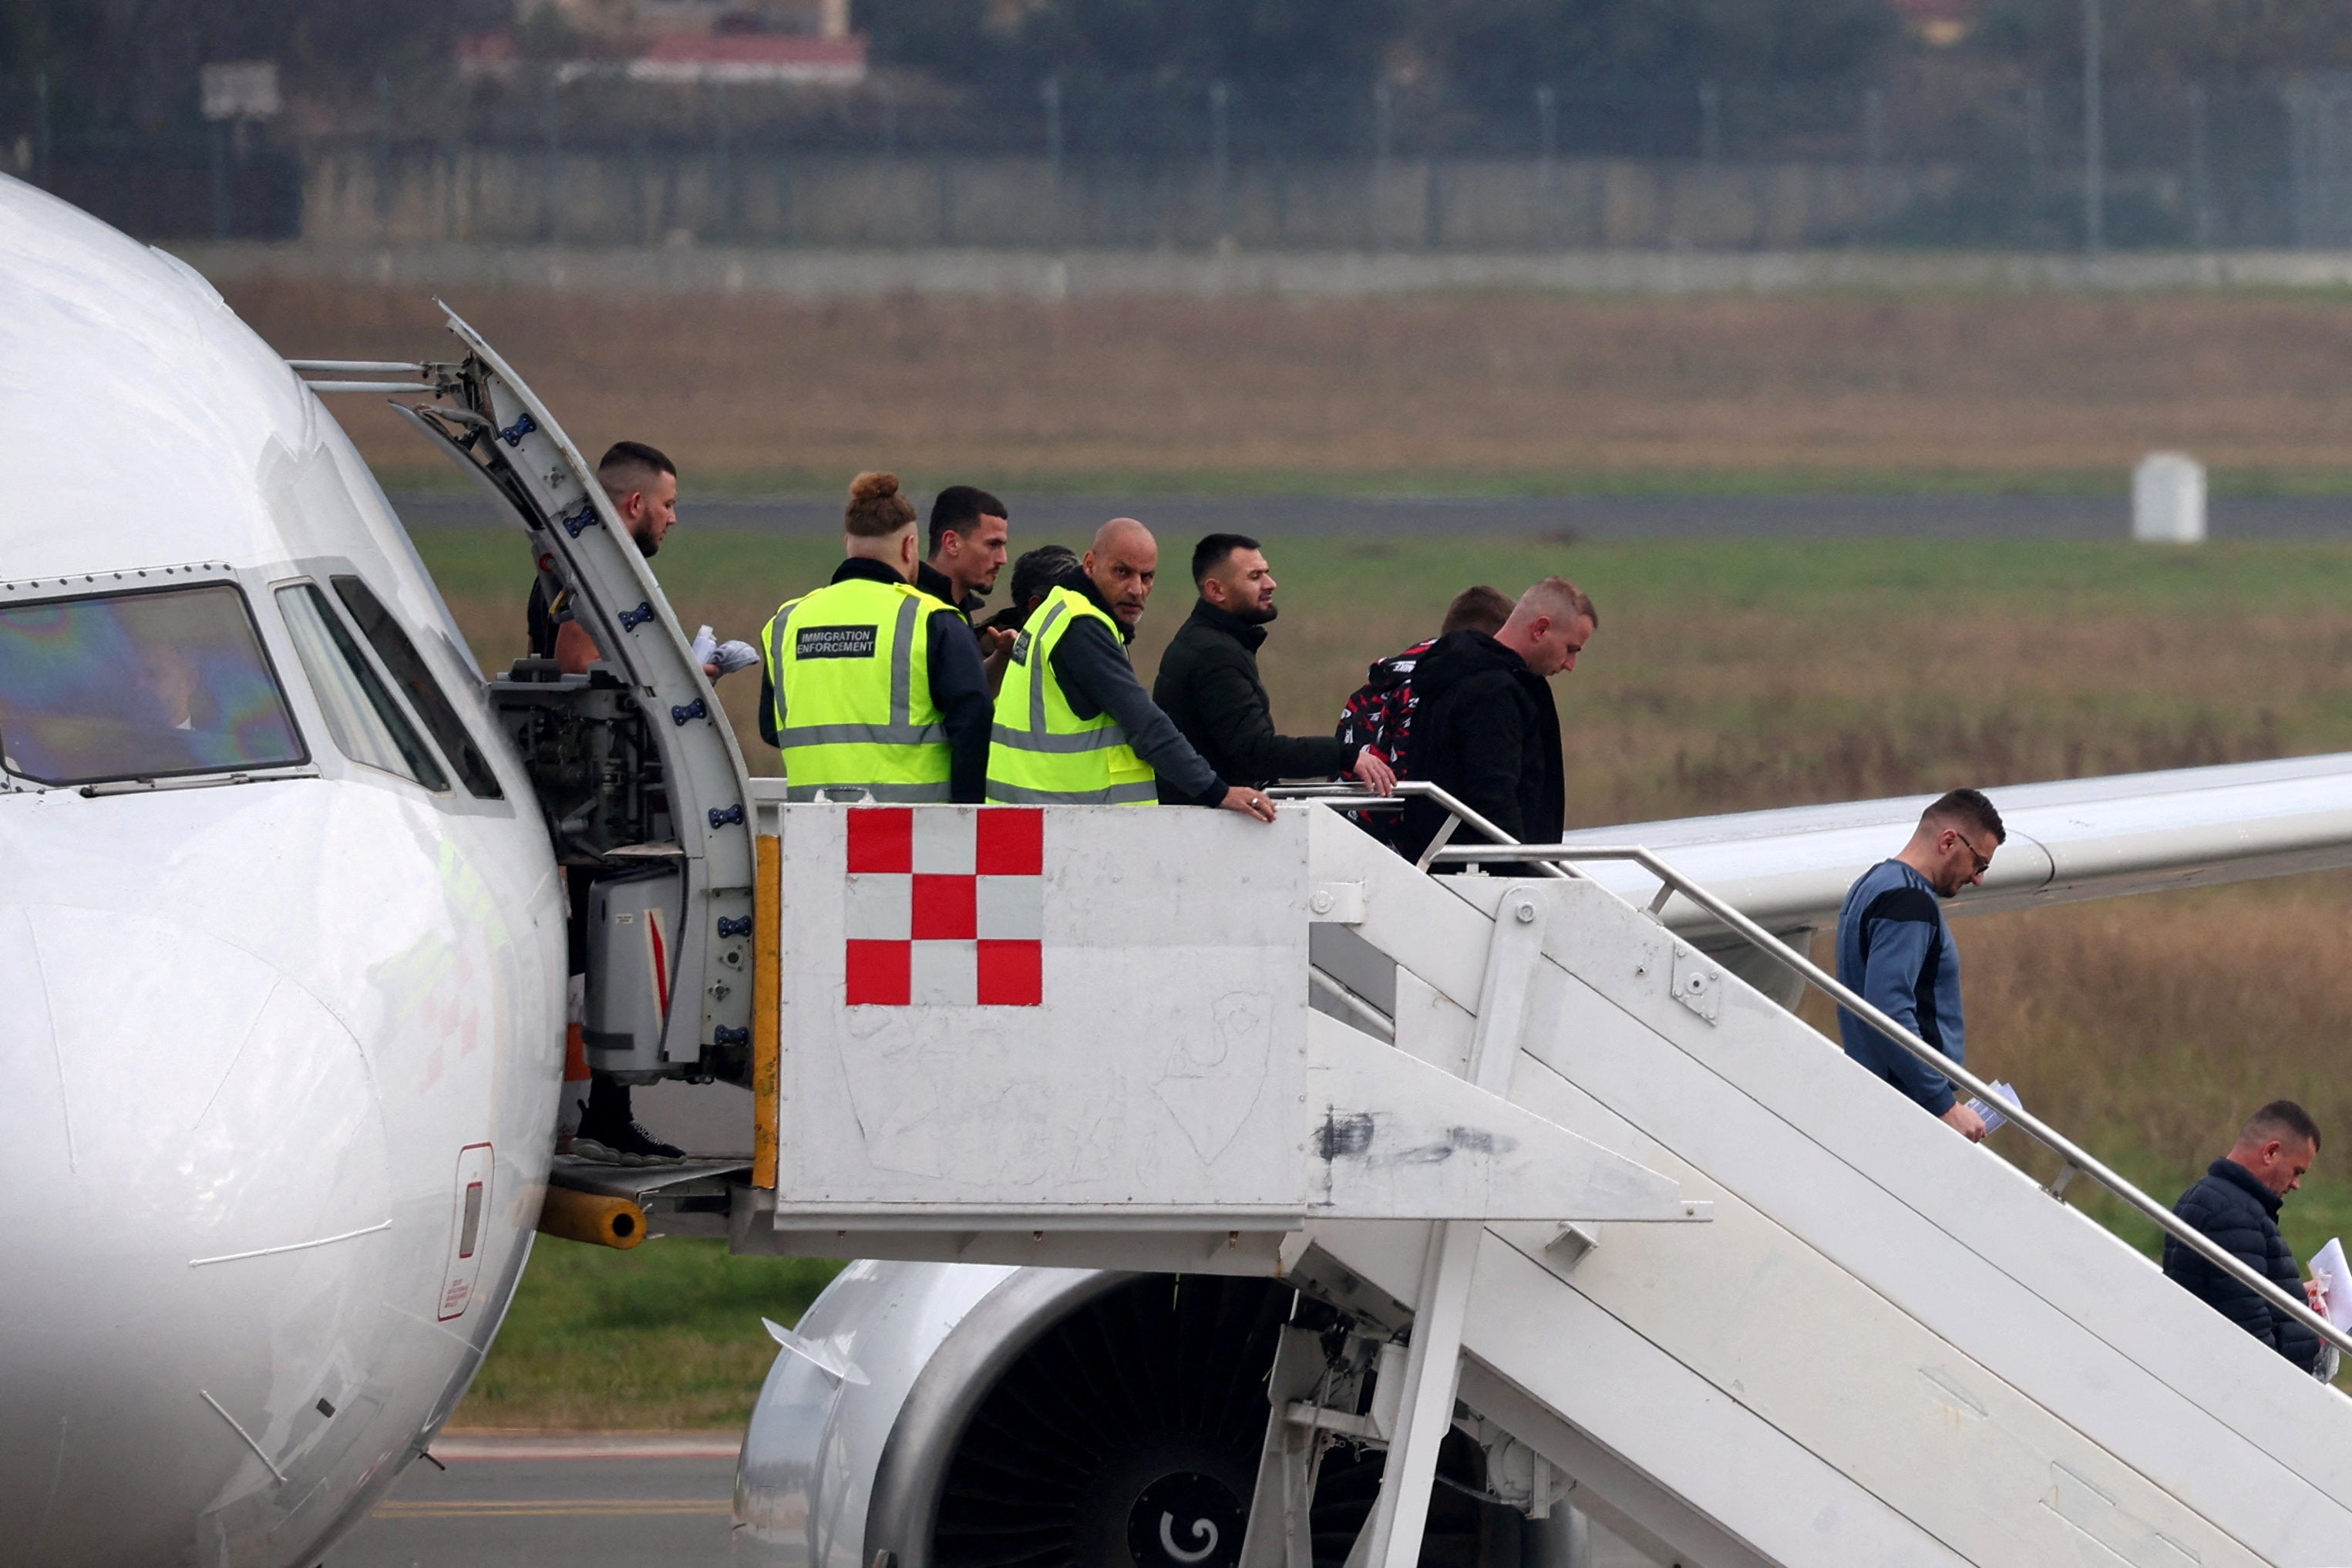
(1569, 517)
(588, 1502)
(652, 1499)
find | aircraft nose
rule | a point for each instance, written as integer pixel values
(200, 1183)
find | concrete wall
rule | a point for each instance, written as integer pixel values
(357, 196)
(812, 273)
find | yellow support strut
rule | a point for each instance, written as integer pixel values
(767, 1008)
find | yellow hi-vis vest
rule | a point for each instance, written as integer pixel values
(1040, 751)
(851, 667)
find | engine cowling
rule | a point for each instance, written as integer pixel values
(1056, 1418)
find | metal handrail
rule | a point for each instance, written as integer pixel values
(358, 366)
(338, 370)
(1364, 1011)
(1356, 797)
(2076, 1157)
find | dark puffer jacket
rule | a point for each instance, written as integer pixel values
(1486, 732)
(2235, 1208)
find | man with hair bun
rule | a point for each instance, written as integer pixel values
(870, 684)
(1484, 729)
(1894, 948)
(2236, 1203)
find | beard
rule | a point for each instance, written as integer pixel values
(647, 545)
(1257, 616)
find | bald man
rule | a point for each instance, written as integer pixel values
(1073, 725)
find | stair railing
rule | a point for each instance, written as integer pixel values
(1557, 859)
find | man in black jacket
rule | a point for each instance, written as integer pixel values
(2237, 1204)
(1486, 730)
(1209, 682)
(1034, 576)
(967, 549)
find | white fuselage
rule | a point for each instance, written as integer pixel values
(256, 1040)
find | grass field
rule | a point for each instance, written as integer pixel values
(1466, 394)
(1725, 676)
(665, 1336)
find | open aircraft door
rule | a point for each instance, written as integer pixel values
(644, 788)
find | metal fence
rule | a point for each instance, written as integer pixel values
(189, 181)
(593, 158)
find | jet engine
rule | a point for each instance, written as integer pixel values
(937, 1416)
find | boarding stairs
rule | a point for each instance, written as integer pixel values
(1887, 1346)
(1638, 1225)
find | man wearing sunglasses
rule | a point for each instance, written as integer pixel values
(1894, 948)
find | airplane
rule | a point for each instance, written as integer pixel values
(283, 991)
(282, 929)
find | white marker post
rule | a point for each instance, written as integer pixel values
(2169, 499)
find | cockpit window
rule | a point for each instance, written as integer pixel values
(155, 684)
(408, 672)
(367, 724)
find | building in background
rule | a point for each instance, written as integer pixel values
(689, 42)
(1472, 125)
(631, 20)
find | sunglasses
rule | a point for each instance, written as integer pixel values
(1983, 861)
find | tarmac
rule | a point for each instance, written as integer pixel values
(645, 1500)
(1563, 518)
(629, 1500)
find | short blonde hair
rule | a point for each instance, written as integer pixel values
(1557, 597)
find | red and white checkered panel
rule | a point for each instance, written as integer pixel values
(946, 905)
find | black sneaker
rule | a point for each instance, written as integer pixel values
(622, 1143)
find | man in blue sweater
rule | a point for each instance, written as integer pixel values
(1894, 947)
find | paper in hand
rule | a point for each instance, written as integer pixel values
(730, 655)
(1993, 1119)
(2335, 1277)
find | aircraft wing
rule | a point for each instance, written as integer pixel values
(2078, 839)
